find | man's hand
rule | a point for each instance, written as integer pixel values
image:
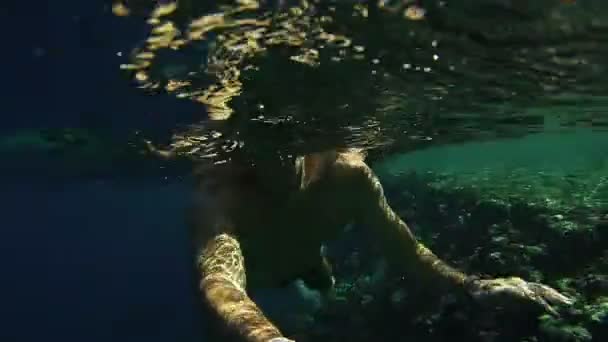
(517, 293)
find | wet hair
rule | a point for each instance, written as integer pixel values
(276, 84)
(289, 88)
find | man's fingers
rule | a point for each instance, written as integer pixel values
(517, 293)
(550, 294)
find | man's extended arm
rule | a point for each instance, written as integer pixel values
(409, 255)
(402, 248)
(221, 265)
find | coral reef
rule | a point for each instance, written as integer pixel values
(541, 226)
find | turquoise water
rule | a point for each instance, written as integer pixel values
(486, 121)
(566, 152)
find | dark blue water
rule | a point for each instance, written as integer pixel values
(86, 260)
(102, 261)
(97, 262)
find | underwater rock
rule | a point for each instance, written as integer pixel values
(598, 319)
(594, 284)
(599, 312)
(556, 330)
(494, 227)
(398, 297)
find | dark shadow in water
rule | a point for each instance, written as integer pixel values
(96, 262)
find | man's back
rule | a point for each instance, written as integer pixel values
(281, 217)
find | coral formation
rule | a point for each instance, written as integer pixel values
(543, 226)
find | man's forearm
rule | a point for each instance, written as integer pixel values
(403, 250)
(222, 284)
(414, 258)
